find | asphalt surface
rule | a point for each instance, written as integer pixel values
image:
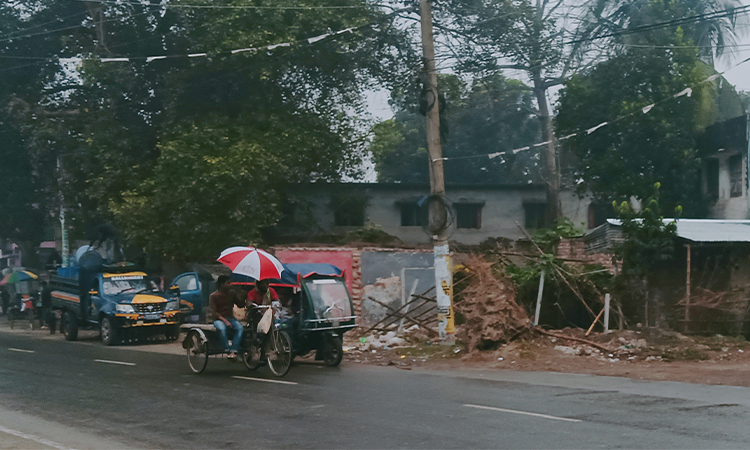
(57, 394)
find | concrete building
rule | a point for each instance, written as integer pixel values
(724, 151)
(478, 212)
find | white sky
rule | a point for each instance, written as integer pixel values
(740, 75)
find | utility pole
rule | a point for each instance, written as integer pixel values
(65, 245)
(438, 214)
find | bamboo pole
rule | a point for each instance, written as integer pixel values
(593, 324)
(539, 298)
(687, 290)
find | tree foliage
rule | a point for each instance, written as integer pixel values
(713, 32)
(647, 279)
(492, 114)
(649, 242)
(626, 157)
(120, 129)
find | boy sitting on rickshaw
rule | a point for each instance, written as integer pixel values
(262, 294)
(220, 311)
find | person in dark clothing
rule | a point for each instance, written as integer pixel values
(5, 299)
(47, 313)
(220, 310)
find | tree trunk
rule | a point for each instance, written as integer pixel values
(30, 254)
(96, 11)
(551, 173)
(657, 307)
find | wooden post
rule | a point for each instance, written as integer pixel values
(591, 328)
(687, 290)
(606, 313)
(539, 298)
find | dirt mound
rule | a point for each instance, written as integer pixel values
(493, 317)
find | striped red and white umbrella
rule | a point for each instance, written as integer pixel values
(251, 262)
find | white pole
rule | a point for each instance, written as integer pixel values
(606, 313)
(65, 245)
(539, 298)
(406, 310)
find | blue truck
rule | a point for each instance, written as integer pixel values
(116, 299)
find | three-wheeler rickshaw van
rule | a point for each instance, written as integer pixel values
(316, 305)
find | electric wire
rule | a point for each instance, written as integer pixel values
(240, 7)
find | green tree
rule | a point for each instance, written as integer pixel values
(646, 253)
(626, 157)
(492, 114)
(295, 107)
(713, 31)
(542, 39)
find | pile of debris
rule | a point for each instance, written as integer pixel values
(488, 304)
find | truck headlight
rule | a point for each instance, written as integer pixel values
(171, 306)
(125, 308)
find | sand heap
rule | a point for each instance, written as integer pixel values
(493, 317)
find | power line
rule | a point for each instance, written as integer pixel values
(41, 33)
(666, 24)
(168, 5)
(645, 110)
(62, 19)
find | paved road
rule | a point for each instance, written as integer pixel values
(79, 395)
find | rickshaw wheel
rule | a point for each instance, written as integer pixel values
(333, 351)
(252, 357)
(279, 352)
(197, 353)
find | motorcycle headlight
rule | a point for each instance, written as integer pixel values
(125, 308)
(171, 306)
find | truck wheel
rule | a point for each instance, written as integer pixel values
(108, 331)
(69, 326)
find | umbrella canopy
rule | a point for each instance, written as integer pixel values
(251, 262)
(16, 277)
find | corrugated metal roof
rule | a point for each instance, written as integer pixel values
(708, 230)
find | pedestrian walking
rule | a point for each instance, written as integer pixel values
(47, 313)
(5, 299)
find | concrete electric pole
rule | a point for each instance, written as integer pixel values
(65, 245)
(438, 214)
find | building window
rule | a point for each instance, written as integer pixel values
(468, 215)
(597, 214)
(534, 214)
(735, 176)
(348, 209)
(349, 217)
(712, 178)
(413, 214)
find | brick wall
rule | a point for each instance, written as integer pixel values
(348, 259)
(573, 250)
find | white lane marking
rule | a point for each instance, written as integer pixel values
(264, 379)
(114, 362)
(20, 350)
(30, 437)
(525, 413)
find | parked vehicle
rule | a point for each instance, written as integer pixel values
(25, 302)
(194, 288)
(117, 299)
